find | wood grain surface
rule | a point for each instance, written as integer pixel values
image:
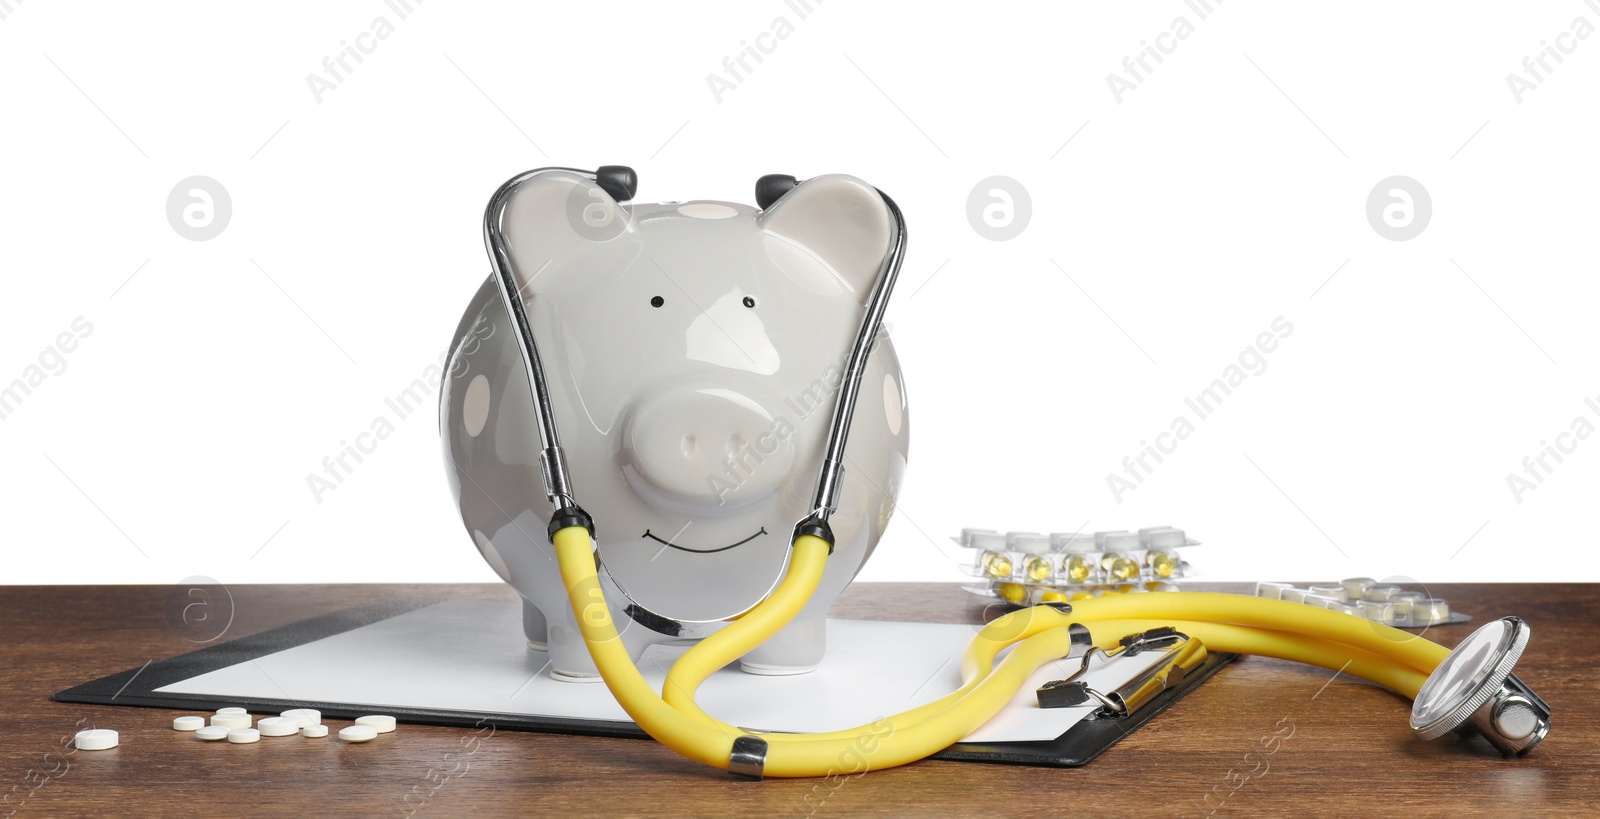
(1264, 736)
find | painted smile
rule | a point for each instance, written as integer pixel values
(704, 551)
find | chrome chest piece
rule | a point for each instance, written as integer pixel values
(1473, 690)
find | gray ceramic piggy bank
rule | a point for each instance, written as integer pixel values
(693, 352)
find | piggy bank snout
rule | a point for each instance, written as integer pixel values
(706, 449)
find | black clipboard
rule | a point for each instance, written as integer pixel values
(137, 687)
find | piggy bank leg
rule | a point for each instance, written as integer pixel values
(569, 655)
(795, 650)
(533, 626)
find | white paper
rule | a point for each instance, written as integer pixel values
(471, 656)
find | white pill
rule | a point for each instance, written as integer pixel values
(358, 733)
(305, 716)
(244, 736)
(314, 731)
(232, 720)
(1405, 601)
(212, 733)
(1430, 611)
(1378, 611)
(278, 726)
(232, 711)
(188, 723)
(95, 739)
(378, 722)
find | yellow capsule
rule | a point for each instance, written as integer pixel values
(1013, 593)
(1082, 595)
(1037, 569)
(1124, 568)
(996, 564)
(1163, 564)
(1126, 588)
(1052, 596)
(1079, 567)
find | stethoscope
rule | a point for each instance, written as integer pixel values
(1472, 688)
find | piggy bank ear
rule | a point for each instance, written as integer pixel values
(838, 220)
(556, 216)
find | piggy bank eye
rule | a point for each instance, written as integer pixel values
(657, 301)
(749, 301)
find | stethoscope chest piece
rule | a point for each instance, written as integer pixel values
(1474, 691)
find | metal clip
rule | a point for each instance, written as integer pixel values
(749, 757)
(1178, 654)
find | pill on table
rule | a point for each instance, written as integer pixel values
(305, 716)
(358, 733)
(95, 739)
(232, 711)
(244, 736)
(212, 733)
(314, 731)
(232, 720)
(381, 723)
(278, 726)
(188, 723)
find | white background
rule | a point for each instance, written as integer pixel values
(1167, 231)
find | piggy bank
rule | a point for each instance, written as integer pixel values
(693, 352)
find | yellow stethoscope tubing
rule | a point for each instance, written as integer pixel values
(1229, 623)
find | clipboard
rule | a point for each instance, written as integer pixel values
(141, 686)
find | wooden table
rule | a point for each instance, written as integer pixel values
(1342, 746)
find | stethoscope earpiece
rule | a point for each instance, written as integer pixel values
(618, 181)
(772, 187)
